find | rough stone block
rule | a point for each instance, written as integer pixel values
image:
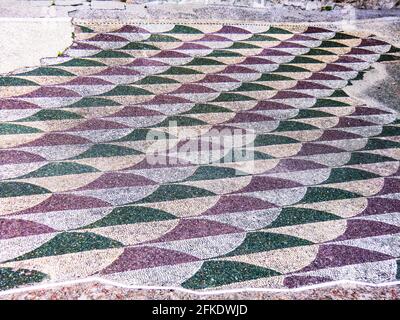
(107, 5)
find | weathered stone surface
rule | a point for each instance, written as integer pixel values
(302, 4)
(326, 4)
(372, 4)
(104, 4)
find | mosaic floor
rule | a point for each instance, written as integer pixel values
(101, 174)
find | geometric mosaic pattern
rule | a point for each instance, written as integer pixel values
(79, 198)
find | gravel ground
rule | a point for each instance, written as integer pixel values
(98, 291)
(273, 13)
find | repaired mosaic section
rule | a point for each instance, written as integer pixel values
(314, 196)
